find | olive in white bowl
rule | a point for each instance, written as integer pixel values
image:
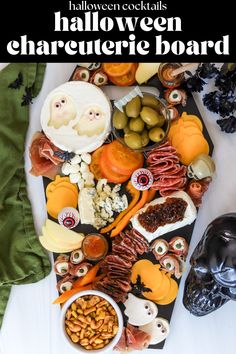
(91, 322)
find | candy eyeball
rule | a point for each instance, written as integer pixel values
(68, 217)
(142, 179)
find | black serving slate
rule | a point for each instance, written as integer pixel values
(186, 232)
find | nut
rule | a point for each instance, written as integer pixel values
(91, 322)
(89, 310)
(84, 342)
(74, 338)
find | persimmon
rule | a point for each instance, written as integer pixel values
(116, 69)
(95, 166)
(121, 159)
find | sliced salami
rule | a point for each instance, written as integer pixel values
(169, 176)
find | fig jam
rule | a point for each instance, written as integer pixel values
(94, 247)
(169, 212)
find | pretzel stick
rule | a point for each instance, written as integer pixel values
(190, 66)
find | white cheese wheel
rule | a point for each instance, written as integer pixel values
(76, 117)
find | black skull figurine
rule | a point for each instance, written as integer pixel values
(211, 281)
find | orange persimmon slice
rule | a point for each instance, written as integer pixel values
(121, 159)
(171, 295)
(160, 291)
(117, 69)
(94, 166)
(150, 274)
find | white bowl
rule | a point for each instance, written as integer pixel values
(78, 347)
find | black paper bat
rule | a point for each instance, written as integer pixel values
(139, 287)
(27, 97)
(17, 83)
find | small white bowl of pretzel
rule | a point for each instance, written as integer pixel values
(91, 321)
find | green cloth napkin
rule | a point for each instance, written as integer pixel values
(22, 258)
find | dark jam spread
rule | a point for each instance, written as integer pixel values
(169, 212)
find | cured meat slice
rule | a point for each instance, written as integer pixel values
(169, 176)
(129, 245)
(140, 238)
(133, 338)
(116, 295)
(125, 250)
(119, 250)
(115, 269)
(140, 244)
(43, 159)
(121, 345)
(113, 258)
(136, 338)
(124, 285)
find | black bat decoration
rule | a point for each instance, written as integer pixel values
(139, 287)
(66, 156)
(227, 125)
(17, 83)
(27, 97)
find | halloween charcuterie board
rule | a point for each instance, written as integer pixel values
(122, 203)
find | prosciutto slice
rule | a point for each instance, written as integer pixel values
(169, 175)
(44, 161)
(133, 339)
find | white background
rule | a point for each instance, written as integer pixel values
(31, 323)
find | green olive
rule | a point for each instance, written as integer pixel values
(149, 116)
(149, 126)
(150, 101)
(145, 138)
(136, 124)
(161, 120)
(133, 107)
(126, 129)
(156, 134)
(120, 119)
(133, 140)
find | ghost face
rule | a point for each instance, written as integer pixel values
(92, 122)
(62, 111)
(139, 311)
(158, 329)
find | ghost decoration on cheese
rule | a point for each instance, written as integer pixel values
(158, 329)
(76, 117)
(92, 122)
(140, 312)
(62, 111)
